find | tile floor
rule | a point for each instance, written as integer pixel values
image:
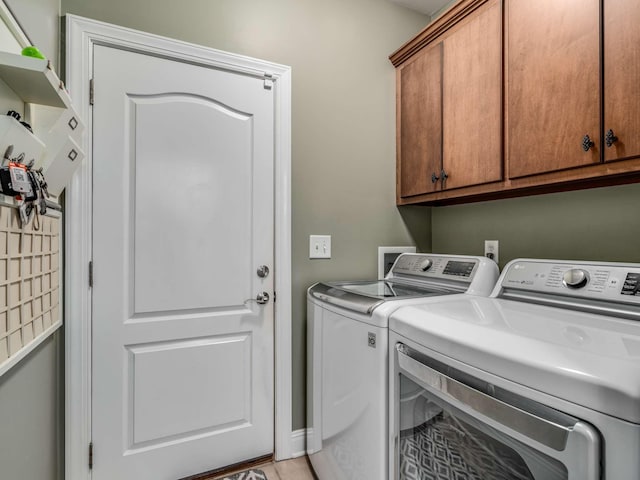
(294, 469)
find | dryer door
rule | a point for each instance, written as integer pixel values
(448, 421)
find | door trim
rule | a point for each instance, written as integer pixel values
(82, 35)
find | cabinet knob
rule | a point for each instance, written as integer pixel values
(444, 175)
(587, 143)
(610, 138)
(434, 177)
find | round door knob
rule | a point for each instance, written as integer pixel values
(262, 298)
(587, 143)
(575, 278)
(426, 265)
(263, 271)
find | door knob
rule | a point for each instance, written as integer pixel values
(262, 298)
(434, 177)
(610, 138)
(263, 271)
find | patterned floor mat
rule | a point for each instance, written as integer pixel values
(253, 474)
(446, 449)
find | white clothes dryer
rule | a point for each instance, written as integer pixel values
(347, 352)
(541, 381)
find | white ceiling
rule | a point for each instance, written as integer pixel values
(428, 7)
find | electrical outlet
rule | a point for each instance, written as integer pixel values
(491, 250)
(319, 246)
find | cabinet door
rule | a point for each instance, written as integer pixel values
(420, 122)
(553, 84)
(622, 77)
(472, 100)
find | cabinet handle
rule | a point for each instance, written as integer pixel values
(610, 138)
(587, 143)
(434, 177)
(444, 175)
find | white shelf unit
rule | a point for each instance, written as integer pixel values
(33, 80)
(49, 110)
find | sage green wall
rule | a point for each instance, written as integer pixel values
(40, 21)
(343, 159)
(596, 224)
(31, 421)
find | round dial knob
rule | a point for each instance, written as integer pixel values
(575, 278)
(426, 265)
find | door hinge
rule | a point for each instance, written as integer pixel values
(274, 297)
(91, 92)
(268, 81)
(90, 274)
(91, 456)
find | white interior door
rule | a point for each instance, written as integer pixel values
(182, 369)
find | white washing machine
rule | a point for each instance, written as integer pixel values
(541, 381)
(347, 353)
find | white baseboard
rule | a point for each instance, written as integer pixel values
(298, 443)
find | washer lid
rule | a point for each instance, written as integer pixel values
(365, 296)
(587, 359)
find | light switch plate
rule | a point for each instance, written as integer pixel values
(319, 246)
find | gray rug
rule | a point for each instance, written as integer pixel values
(445, 448)
(253, 474)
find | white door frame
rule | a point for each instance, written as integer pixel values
(82, 35)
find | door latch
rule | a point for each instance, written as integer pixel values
(262, 298)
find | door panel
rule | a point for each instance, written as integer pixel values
(621, 74)
(159, 414)
(183, 215)
(472, 99)
(170, 154)
(553, 100)
(420, 122)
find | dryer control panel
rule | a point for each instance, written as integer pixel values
(434, 266)
(611, 282)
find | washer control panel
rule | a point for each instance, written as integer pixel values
(604, 281)
(425, 265)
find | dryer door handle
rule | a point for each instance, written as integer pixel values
(573, 442)
(462, 396)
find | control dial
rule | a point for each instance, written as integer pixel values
(426, 265)
(575, 278)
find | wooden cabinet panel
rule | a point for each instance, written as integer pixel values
(420, 122)
(472, 100)
(569, 68)
(553, 78)
(622, 77)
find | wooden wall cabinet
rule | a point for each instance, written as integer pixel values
(571, 100)
(573, 96)
(449, 107)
